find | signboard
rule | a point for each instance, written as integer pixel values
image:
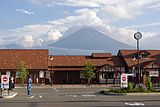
(41, 74)
(154, 73)
(8, 73)
(124, 81)
(4, 81)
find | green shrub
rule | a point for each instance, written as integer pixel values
(149, 83)
(115, 90)
(104, 91)
(130, 86)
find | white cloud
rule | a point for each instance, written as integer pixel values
(97, 13)
(26, 41)
(39, 42)
(144, 25)
(124, 9)
(23, 11)
(118, 12)
(54, 34)
(36, 30)
(88, 18)
(80, 3)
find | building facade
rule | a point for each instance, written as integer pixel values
(36, 62)
(70, 69)
(46, 69)
(149, 64)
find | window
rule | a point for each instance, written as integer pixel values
(110, 75)
(41, 74)
(122, 68)
(17, 75)
(82, 74)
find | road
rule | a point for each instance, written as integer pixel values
(76, 97)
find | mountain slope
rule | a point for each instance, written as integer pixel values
(90, 39)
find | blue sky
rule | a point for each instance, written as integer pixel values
(30, 23)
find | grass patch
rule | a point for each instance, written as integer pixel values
(134, 90)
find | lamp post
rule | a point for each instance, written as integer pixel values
(51, 76)
(134, 73)
(138, 36)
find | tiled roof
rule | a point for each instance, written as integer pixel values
(34, 59)
(78, 61)
(66, 69)
(67, 61)
(101, 55)
(129, 55)
(117, 61)
(153, 53)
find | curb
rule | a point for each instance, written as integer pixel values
(115, 94)
(132, 94)
(10, 96)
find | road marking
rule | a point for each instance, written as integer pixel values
(53, 88)
(57, 90)
(88, 95)
(134, 104)
(32, 96)
(74, 95)
(40, 96)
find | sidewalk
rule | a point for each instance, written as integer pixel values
(11, 95)
(69, 86)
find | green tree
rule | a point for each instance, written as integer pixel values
(89, 71)
(149, 83)
(22, 72)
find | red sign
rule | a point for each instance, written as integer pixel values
(5, 79)
(124, 78)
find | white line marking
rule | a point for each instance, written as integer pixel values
(93, 95)
(57, 90)
(32, 96)
(134, 104)
(88, 95)
(40, 96)
(74, 95)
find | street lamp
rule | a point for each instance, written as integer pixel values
(134, 73)
(51, 76)
(138, 36)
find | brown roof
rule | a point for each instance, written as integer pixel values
(152, 53)
(101, 55)
(66, 69)
(67, 61)
(117, 61)
(34, 59)
(129, 55)
(78, 62)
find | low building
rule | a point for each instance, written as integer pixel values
(45, 69)
(70, 69)
(149, 64)
(36, 62)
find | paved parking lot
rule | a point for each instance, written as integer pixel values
(71, 97)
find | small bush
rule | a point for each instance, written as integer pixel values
(130, 86)
(104, 91)
(149, 83)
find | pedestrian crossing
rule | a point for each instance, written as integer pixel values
(57, 96)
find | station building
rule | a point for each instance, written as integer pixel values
(149, 64)
(36, 62)
(70, 69)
